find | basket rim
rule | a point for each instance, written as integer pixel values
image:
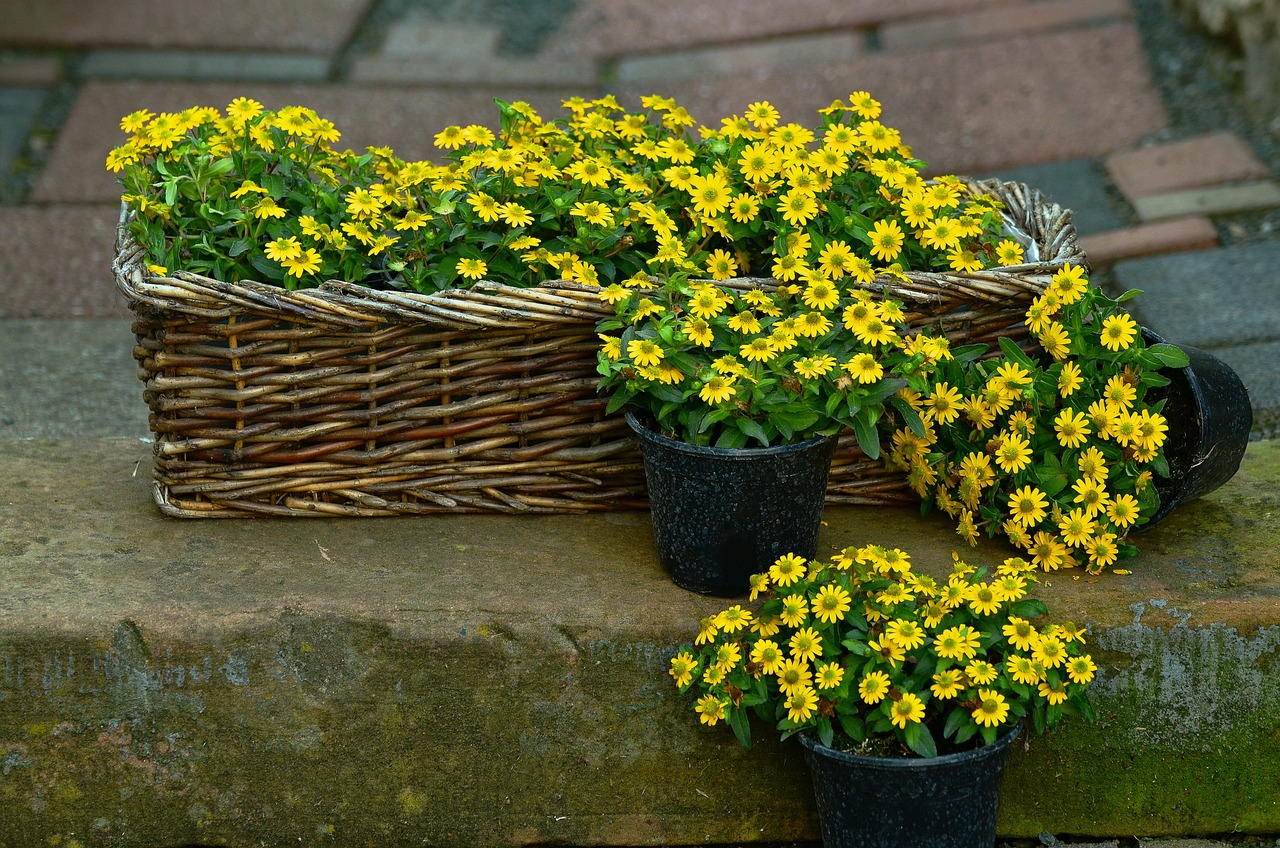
(495, 304)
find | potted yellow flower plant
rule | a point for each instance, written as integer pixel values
(716, 367)
(1063, 453)
(899, 682)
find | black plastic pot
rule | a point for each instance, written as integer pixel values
(1209, 416)
(944, 802)
(721, 515)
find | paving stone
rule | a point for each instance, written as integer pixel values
(972, 108)
(1256, 366)
(69, 379)
(57, 262)
(404, 119)
(1176, 234)
(1181, 843)
(18, 108)
(1207, 160)
(988, 24)
(614, 29)
(16, 69)
(180, 64)
(1075, 184)
(1210, 298)
(792, 52)
(316, 26)
(1218, 200)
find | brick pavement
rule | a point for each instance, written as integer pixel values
(1056, 93)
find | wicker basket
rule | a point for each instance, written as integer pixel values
(344, 400)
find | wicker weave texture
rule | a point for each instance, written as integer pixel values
(344, 400)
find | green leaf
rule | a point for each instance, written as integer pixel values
(1129, 295)
(741, 726)
(909, 414)
(754, 430)
(954, 719)
(1016, 354)
(1170, 356)
(1028, 608)
(826, 733)
(920, 740)
(868, 436)
(852, 726)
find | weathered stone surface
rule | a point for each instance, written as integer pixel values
(57, 262)
(492, 680)
(1171, 236)
(1218, 200)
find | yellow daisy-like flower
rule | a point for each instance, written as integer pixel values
(801, 704)
(886, 240)
(805, 644)
(683, 667)
(733, 619)
(1118, 331)
(762, 115)
(864, 368)
(904, 633)
(820, 294)
(957, 643)
(835, 259)
(1028, 506)
(793, 674)
(831, 603)
(645, 352)
(721, 265)
(981, 672)
(829, 675)
(1091, 495)
(1014, 453)
(984, 598)
(759, 349)
(1050, 652)
(718, 388)
(908, 709)
(768, 656)
(1009, 252)
(472, 269)
(1023, 669)
(1047, 552)
(874, 687)
(282, 248)
(1069, 379)
(947, 684)
(1053, 694)
(1081, 669)
(814, 367)
(1123, 510)
(305, 262)
(711, 709)
(992, 708)
(727, 657)
(794, 612)
(787, 569)
(1076, 527)
(1021, 633)
(1072, 428)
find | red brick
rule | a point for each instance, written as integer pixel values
(617, 28)
(991, 24)
(314, 26)
(30, 70)
(57, 262)
(1220, 157)
(404, 119)
(1194, 233)
(972, 108)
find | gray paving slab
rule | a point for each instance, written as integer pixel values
(1075, 184)
(316, 26)
(55, 262)
(1211, 298)
(69, 379)
(19, 106)
(168, 64)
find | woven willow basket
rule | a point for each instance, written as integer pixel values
(344, 400)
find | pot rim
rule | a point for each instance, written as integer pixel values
(1002, 742)
(645, 432)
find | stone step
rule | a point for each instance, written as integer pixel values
(495, 680)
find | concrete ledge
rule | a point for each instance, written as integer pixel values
(490, 680)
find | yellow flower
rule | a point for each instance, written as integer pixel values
(305, 262)
(874, 687)
(710, 709)
(992, 709)
(886, 240)
(767, 655)
(1123, 510)
(1081, 669)
(787, 569)
(1014, 453)
(793, 674)
(1020, 633)
(759, 349)
(1072, 428)
(831, 603)
(711, 194)
(904, 633)
(717, 389)
(472, 269)
(721, 266)
(683, 667)
(864, 368)
(946, 684)
(1118, 331)
(798, 208)
(957, 643)
(645, 352)
(801, 704)
(908, 709)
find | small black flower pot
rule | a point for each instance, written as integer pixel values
(1209, 417)
(721, 515)
(949, 801)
